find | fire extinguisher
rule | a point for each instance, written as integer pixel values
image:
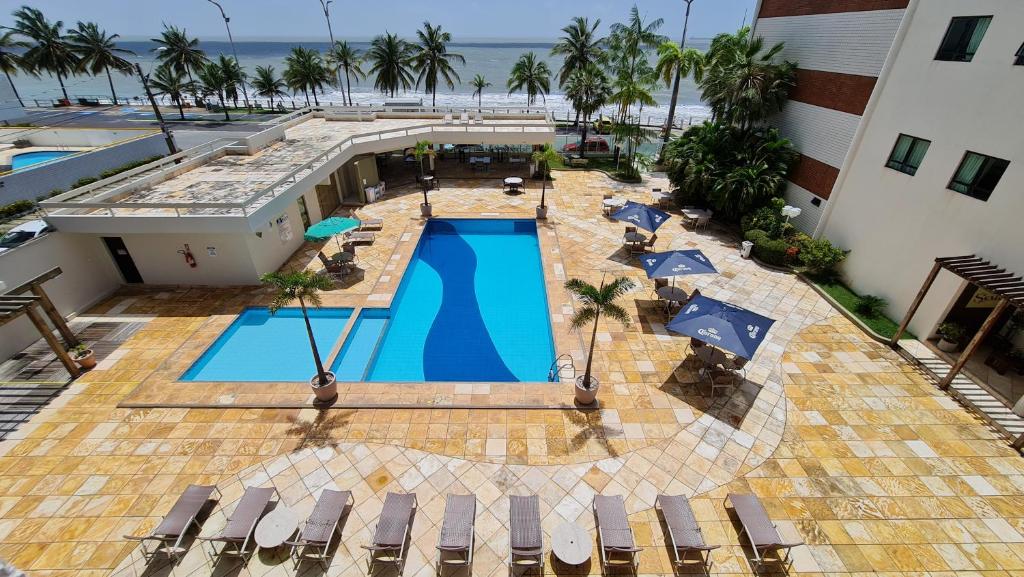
(190, 260)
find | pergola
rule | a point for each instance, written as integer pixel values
(15, 303)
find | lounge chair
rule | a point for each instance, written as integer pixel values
(683, 530)
(760, 530)
(464, 118)
(458, 532)
(171, 531)
(614, 535)
(525, 537)
(360, 236)
(235, 536)
(371, 224)
(392, 529)
(316, 534)
(448, 118)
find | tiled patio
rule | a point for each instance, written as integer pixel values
(850, 448)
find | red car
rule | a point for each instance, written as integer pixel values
(594, 144)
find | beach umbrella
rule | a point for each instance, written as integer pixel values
(643, 216)
(330, 227)
(722, 325)
(676, 263)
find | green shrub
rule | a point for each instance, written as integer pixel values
(129, 166)
(755, 235)
(772, 251)
(764, 219)
(15, 208)
(821, 257)
(83, 182)
(871, 306)
(952, 332)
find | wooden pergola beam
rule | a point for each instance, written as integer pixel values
(969, 350)
(946, 259)
(55, 346)
(35, 285)
(928, 281)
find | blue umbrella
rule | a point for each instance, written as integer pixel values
(643, 216)
(722, 325)
(676, 263)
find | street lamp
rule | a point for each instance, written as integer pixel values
(791, 211)
(326, 5)
(245, 93)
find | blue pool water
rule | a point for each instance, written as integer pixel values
(26, 159)
(361, 343)
(259, 346)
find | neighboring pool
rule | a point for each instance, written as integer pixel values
(27, 159)
(259, 346)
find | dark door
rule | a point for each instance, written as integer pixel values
(123, 259)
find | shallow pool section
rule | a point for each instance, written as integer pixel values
(27, 159)
(259, 346)
(360, 345)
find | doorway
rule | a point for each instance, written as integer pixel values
(123, 259)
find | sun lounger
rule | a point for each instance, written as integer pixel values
(464, 118)
(525, 537)
(171, 531)
(364, 236)
(371, 224)
(315, 536)
(237, 533)
(448, 118)
(683, 530)
(760, 530)
(614, 535)
(393, 528)
(458, 532)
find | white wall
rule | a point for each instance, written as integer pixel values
(72, 136)
(88, 277)
(821, 133)
(157, 258)
(896, 224)
(271, 251)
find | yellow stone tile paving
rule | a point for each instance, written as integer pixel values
(851, 449)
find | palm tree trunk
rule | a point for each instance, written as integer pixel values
(192, 83)
(15, 90)
(675, 83)
(480, 101)
(306, 94)
(433, 100)
(583, 141)
(348, 86)
(320, 373)
(590, 355)
(111, 82)
(62, 88)
(543, 183)
(315, 101)
(181, 111)
(224, 105)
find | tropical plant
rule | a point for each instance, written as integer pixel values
(49, 51)
(212, 81)
(98, 52)
(633, 76)
(392, 60)
(423, 149)
(580, 48)
(479, 83)
(952, 332)
(344, 57)
(10, 59)
(168, 82)
(175, 49)
(595, 301)
(268, 84)
(634, 136)
(821, 257)
(234, 77)
(305, 71)
(531, 75)
(678, 75)
(674, 63)
(544, 157)
(303, 286)
(871, 306)
(588, 90)
(432, 60)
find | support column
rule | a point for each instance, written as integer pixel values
(55, 317)
(972, 346)
(55, 345)
(916, 304)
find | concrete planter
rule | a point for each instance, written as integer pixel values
(542, 212)
(425, 209)
(327, 392)
(586, 396)
(948, 346)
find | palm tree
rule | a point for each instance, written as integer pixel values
(594, 302)
(169, 82)
(268, 85)
(49, 49)
(675, 63)
(423, 149)
(305, 71)
(213, 81)
(174, 48)
(581, 48)
(392, 63)
(544, 157)
(628, 61)
(97, 52)
(234, 77)
(678, 75)
(433, 60)
(479, 83)
(532, 75)
(588, 90)
(303, 286)
(11, 61)
(344, 57)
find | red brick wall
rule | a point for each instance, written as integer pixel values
(814, 175)
(844, 92)
(776, 8)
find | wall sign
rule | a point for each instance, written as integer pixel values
(284, 228)
(983, 299)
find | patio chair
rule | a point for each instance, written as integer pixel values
(183, 515)
(683, 531)
(760, 531)
(392, 529)
(315, 536)
(702, 223)
(235, 536)
(730, 375)
(335, 268)
(630, 229)
(642, 248)
(371, 224)
(614, 535)
(525, 537)
(659, 283)
(458, 532)
(607, 210)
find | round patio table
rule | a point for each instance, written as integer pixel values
(343, 257)
(513, 183)
(673, 294)
(276, 527)
(712, 356)
(571, 544)
(634, 237)
(613, 202)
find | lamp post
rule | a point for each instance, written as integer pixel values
(326, 5)
(245, 93)
(791, 211)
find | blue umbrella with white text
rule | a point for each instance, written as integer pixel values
(643, 216)
(722, 325)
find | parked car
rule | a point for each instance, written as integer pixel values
(23, 233)
(594, 144)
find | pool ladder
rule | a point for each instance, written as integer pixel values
(562, 362)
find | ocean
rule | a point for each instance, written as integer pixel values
(492, 60)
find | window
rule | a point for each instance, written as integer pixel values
(963, 37)
(1020, 56)
(978, 175)
(908, 153)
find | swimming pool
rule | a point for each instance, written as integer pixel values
(27, 159)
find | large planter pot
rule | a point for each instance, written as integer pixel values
(586, 396)
(948, 346)
(425, 209)
(542, 212)
(86, 359)
(327, 392)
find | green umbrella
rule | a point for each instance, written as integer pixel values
(330, 227)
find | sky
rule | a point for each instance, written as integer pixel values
(467, 20)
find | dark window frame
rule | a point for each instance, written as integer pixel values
(944, 55)
(901, 165)
(973, 188)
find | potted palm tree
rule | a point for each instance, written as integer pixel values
(305, 286)
(543, 157)
(423, 149)
(595, 301)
